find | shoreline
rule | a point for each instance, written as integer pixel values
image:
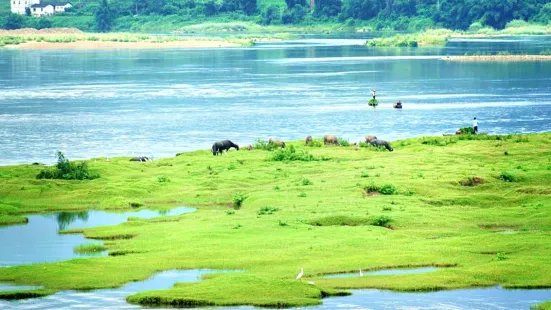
(96, 45)
(503, 58)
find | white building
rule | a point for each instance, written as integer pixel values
(37, 8)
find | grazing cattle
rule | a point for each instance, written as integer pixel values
(330, 139)
(308, 140)
(224, 145)
(369, 138)
(249, 147)
(140, 159)
(378, 143)
(277, 142)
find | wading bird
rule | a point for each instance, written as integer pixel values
(361, 273)
(301, 273)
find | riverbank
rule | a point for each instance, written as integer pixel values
(440, 37)
(483, 58)
(75, 39)
(477, 204)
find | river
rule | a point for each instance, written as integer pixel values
(92, 103)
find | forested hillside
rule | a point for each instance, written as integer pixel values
(135, 15)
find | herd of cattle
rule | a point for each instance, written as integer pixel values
(224, 145)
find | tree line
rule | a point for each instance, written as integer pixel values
(393, 14)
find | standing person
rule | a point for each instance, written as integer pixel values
(373, 93)
(475, 126)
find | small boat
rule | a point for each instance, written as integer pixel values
(397, 105)
(373, 102)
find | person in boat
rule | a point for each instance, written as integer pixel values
(398, 105)
(475, 126)
(373, 93)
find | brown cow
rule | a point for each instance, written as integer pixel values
(308, 140)
(277, 142)
(330, 139)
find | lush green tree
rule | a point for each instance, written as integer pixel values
(13, 21)
(27, 11)
(544, 15)
(44, 23)
(328, 8)
(104, 18)
(291, 3)
(359, 9)
(271, 15)
(210, 8)
(295, 15)
(248, 7)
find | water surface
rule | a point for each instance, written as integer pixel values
(38, 241)
(161, 102)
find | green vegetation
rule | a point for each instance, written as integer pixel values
(66, 170)
(89, 248)
(336, 224)
(325, 15)
(8, 215)
(542, 306)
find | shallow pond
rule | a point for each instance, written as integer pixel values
(39, 241)
(480, 298)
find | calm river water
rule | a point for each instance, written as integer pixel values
(160, 102)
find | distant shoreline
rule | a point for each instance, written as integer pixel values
(123, 45)
(483, 58)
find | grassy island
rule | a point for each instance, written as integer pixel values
(75, 39)
(440, 37)
(478, 206)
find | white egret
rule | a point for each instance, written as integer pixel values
(301, 273)
(361, 273)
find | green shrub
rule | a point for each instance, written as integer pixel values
(230, 212)
(267, 210)
(364, 174)
(238, 199)
(508, 177)
(66, 170)
(302, 194)
(467, 131)
(260, 144)
(343, 142)
(387, 189)
(315, 143)
(291, 154)
(381, 220)
(306, 181)
(281, 223)
(387, 208)
(500, 256)
(163, 179)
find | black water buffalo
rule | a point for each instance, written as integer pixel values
(219, 146)
(140, 159)
(378, 143)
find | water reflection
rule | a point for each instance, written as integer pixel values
(38, 241)
(64, 219)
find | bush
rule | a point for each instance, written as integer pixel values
(260, 144)
(381, 220)
(306, 181)
(343, 142)
(341, 220)
(508, 177)
(66, 170)
(163, 179)
(238, 199)
(290, 153)
(267, 210)
(315, 143)
(387, 189)
(467, 130)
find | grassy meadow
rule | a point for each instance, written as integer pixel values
(478, 206)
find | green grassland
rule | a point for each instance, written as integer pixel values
(434, 201)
